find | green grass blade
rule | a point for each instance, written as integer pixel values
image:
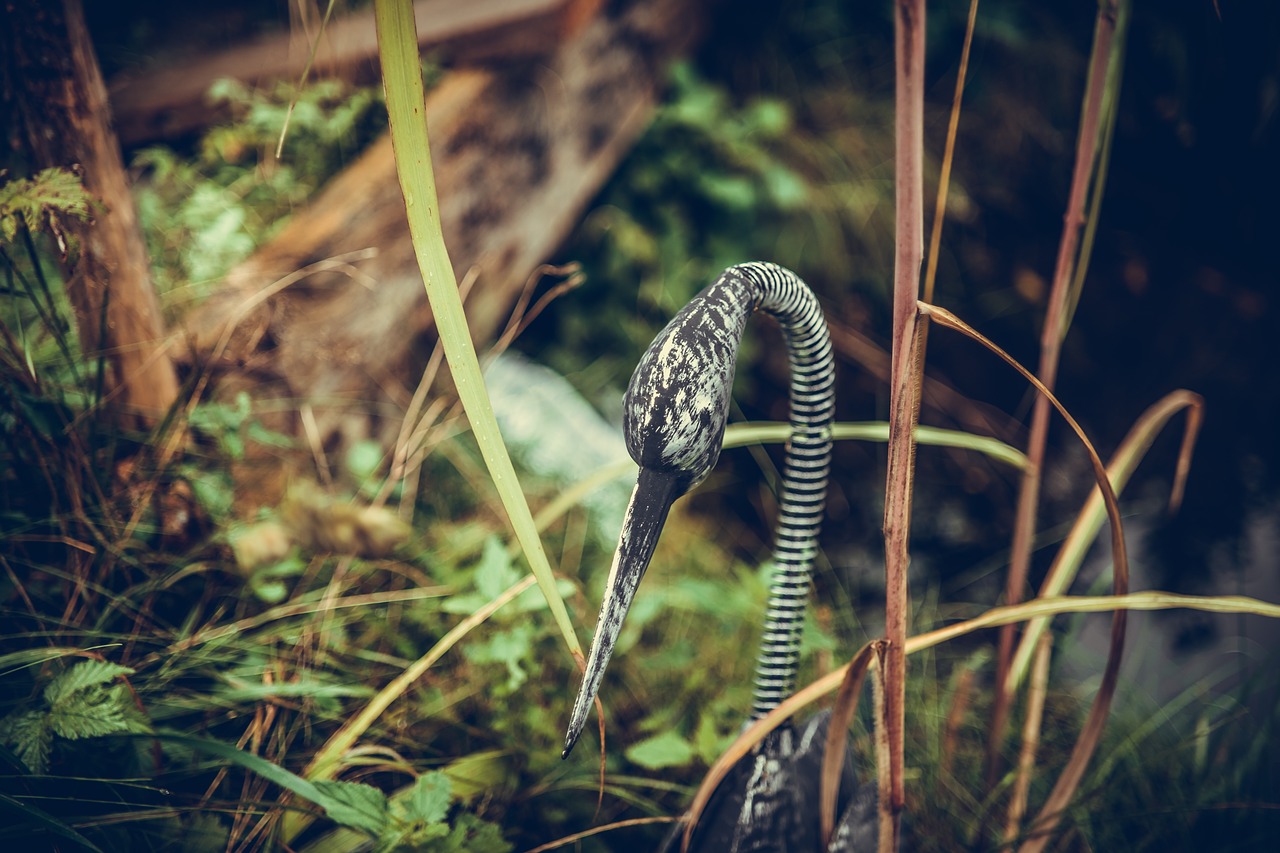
(402, 79)
(267, 770)
(20, 818)
(771, 432)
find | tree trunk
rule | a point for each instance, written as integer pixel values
(58, 99)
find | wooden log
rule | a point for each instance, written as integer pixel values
(518, 151)
(170, 101)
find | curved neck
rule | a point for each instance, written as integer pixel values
(804, 479)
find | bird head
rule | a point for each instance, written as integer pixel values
(674, 416)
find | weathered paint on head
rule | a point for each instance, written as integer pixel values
(677, 405)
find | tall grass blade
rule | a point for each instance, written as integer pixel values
(948, 156)
(1066, 564)
(402, 79)
(1091, 732)
(1057, 317)
(838, 736)
(1030, 739)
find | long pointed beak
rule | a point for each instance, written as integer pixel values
(651, 499)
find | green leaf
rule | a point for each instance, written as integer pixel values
(27, 201)
(85, 673)
(510, 647)
(472, 835)
(92, 712)
(667, 749)
(494, 574)
(429, 801)
(356, 805)
(31, 737)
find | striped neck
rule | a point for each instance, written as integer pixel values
(804, 479)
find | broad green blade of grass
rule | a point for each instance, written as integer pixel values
(402, 79)
(770, 432)
(1089, 521)
(335, 807)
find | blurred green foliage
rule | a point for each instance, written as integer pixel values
(204, 212)
(711, 183)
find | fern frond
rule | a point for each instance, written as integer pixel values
(31, 738)
(52, 193)
(85, 674)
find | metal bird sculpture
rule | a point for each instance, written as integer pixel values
(674, 417)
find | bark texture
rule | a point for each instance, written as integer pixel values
(61, 117)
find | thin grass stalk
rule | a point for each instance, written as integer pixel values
(1088, 146)
(961, 698)
(597, 830)
(1084, 531)
(1030, 738)
(402, 79)
(1110, 111)
(327, 760)
(909, 26)
(948, 155)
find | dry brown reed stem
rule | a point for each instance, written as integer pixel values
(888, 833)
(838, 736)
(1091, 733)
(1051, 336)
(944, 179)
(598, 830)
(909, 28)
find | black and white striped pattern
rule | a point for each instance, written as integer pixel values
(804, 476)
(674, 418)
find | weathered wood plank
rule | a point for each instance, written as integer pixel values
(170, 101)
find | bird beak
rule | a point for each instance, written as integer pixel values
(651, 499)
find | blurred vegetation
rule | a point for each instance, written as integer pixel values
(204, 211)
(120, 623)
